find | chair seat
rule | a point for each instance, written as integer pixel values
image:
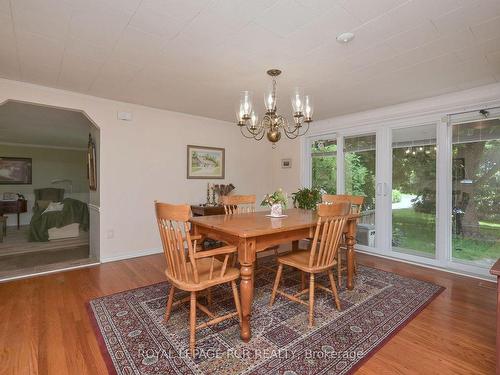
(203, 266)
(300, 260)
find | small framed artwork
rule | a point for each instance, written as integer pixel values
(286, 163)
(15, 171)
(205, 162)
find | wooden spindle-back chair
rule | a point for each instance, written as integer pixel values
(238, 204)
(356, 202)
(322, 256)
(191, 270)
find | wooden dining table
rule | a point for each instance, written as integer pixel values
(255, 232)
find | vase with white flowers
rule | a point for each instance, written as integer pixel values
(277, 201)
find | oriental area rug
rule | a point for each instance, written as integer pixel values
(135, 339)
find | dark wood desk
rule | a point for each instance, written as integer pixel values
(199, 210)
(14, 207)
(254, 232)
(495, 270)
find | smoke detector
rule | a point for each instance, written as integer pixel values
(345, 38)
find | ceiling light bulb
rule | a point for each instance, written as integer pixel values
(297, 101)
(345, 38)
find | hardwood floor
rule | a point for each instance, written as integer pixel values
(45, 328)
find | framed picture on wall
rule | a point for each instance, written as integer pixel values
(205, 162)
(15, 171)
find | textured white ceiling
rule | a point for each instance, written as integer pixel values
(195, 56)
(24, 123)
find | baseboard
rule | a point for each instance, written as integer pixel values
(36, 274)
(135, 254)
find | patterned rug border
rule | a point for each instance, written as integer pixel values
(100, 338)
(112, 370)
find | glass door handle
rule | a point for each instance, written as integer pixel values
(382, 189)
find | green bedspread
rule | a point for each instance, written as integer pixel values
(74, 211)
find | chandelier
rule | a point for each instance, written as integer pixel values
(273, 124)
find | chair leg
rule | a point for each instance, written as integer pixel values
(192, 323)
(209, 297)
(276, 284)
(170, 300)
(339, 268)
(334, 289)
(355, 263)
(311, 300)
(237, 301)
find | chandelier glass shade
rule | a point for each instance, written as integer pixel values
(273, 125)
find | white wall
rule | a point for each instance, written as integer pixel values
(145, 159)
(48, 164)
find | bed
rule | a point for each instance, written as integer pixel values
(65, 222)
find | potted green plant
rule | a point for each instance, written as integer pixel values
(307, 198)
(277, 201)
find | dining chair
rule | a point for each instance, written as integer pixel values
(239, 204)
(322, 256)
(356, 202)
(190, 270)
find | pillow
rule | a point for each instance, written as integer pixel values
(54, 206)
(42, 205)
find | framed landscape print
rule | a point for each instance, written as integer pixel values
(205, 162)
(15, 171)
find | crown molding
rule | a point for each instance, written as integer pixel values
(43, 146)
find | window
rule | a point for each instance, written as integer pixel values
(476, 192)
(359, 175)
(324, 165)
(414, 190)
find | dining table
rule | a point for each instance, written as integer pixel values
(257, 231)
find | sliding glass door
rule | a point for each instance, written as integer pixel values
(431, 186)
(359, 179)
(414, 190)
(476, 192)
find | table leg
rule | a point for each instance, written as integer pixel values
(350, 242)
(246, 291)
(18, 220)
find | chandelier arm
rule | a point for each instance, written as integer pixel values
(291, 135)
(255, 131)
(261, 136)
(291, 128)
(246, 136)
(305, 131)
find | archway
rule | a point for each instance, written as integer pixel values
(44, 161)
